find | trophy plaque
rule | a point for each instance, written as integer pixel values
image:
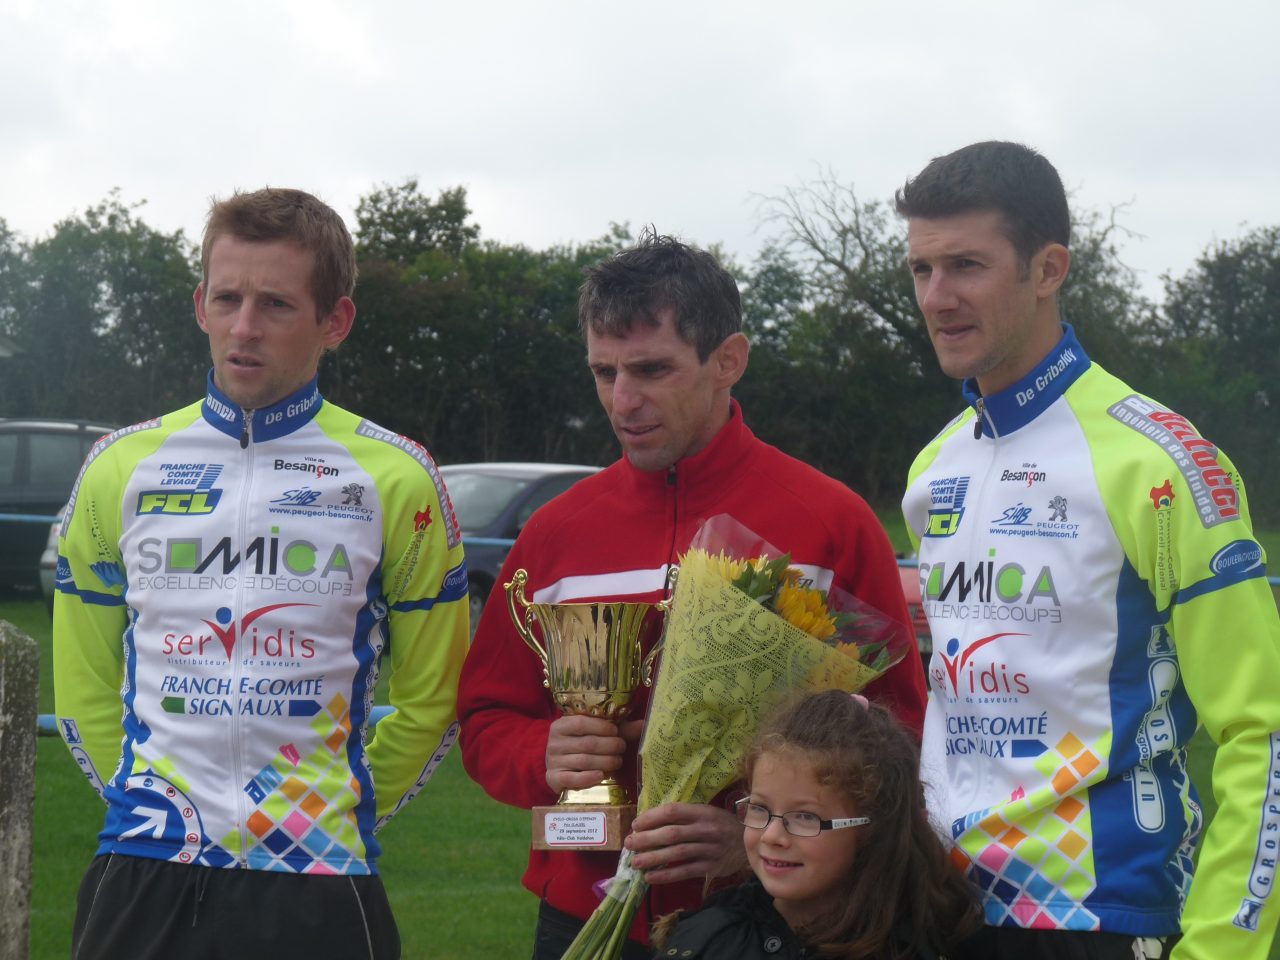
(591, 663)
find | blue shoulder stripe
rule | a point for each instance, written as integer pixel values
(90, 596)
(1217, 582)
(453, 588)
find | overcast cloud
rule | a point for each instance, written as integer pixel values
(560, 117)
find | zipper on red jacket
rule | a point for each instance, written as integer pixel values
(673, 486)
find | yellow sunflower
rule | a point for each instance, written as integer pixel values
(806, 609)
(723, 565)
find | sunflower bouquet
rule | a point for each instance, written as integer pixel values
(745, 630)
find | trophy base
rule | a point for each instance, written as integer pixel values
(582, 826)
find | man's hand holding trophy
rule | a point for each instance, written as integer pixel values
(592, 663)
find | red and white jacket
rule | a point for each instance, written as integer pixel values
(612, 537)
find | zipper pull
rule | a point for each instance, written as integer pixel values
(981, 409)
(671, 476)
(244, 434)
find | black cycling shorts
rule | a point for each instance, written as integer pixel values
(141, 909)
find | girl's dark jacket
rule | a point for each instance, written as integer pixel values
(739, 924)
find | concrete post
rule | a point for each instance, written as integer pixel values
(19, 693)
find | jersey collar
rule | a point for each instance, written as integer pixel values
(703, 478)
(1020, 403)
(269, 423)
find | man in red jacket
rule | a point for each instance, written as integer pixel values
(663, 325)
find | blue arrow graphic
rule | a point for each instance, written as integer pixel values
(1028, 748)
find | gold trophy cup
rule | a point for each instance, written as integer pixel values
(591, 663)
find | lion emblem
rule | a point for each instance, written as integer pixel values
(1059, 507)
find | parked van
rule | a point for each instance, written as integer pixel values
(39, 461)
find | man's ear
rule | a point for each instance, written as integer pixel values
(1051, 266)
(730, 359)
(198, 297)
(339, 322)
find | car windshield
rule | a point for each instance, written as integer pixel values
(478, 498)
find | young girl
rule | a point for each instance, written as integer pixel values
(845, 862)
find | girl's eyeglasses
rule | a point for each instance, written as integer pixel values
(798, 823)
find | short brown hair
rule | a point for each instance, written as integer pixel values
(275, 213)
(1010, 178)
(660, 273)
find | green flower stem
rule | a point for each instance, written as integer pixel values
(605, 932)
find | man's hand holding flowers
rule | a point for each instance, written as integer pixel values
(683, 841)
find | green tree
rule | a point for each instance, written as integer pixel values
(60, 329)
(396, 367)
(470, 346)
(529, 392)
(831, 309)
(1101, 299)
(100, 311)
(14, 269)
(398, 223)
(150, 278)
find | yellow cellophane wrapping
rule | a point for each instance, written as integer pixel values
(727, 662)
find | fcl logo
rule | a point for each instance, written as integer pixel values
(948, 498)
(196, 500)
(182, 502)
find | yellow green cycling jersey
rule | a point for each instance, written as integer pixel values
(230, 584)
(1094, 592)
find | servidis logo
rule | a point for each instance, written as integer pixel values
(969, 677)
(186, 489)
(947, 496)
(225, 631)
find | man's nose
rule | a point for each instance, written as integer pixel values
(247, 324)
(627, 394)
(936, 293)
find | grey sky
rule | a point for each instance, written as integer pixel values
(560, 117)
